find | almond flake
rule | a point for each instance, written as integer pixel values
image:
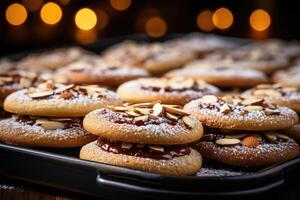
(37, 95)
(225, 108)
(176, 111)
(189, 121)
(289, 89)
(236, 136)
(66, 95)
(62, 119)
(209, 99)
(157, 109)
(251, 141)
(271, 136)
(6, 79)
(132, 113)
(50, 125)
(171, 116)
(253, 108)
(252, 101)
(228, 98)
(282, 136)
(64, 88)
(156, 148)
(228, 142)
(119, 108)
(126, 145)
(144, 111)
(141, 118)
(267, 92)
(264, 86)
(269, 111)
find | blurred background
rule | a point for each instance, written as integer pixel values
(34, 24)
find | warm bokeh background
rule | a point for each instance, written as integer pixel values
(33, 24)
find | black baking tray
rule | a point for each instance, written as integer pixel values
(61, 168)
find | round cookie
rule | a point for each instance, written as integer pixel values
(44, 132)
(276, 94)
(49, 99)
(6, 65)
(222, 77)
(290, 77)
(248, 149)
(176, 90)
(238, 113)
(293, 132)
(155, 57)
(98, 72)
(54, 59)
(171, 160)
(147, 123)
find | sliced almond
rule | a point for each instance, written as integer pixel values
(64, 88)
(176, 111)
(269, 111)
(228, 142)
(48, 85)
(267, 92)
(66, 95)
(253, 108)
(147, 105)
(264, 86)
(209, 99)
(225, 108)
(236, 136)
(79, 66)
(157, 109)
(271, 136)
(228, 98)
(62, 119)
(6, 79)
(126, 145)
(252, 101)
(141, 118)
(38, 95)
(156, 148)
(119, 108)
(171, 116)
(144, 111)
(289, 89)
(132, 113)
(50, 125)
(251, 141)
(282, 136)
(189, 121)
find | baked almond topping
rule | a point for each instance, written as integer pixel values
(156, 148)
(38, 95)
(274, 91)
(126, 145)
(227, 141)
(251, 141)
(50, 125)
(24, 79)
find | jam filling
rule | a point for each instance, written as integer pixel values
(143, 151)
(122, 118)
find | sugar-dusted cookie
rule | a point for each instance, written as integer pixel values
(277, 94)
(148, 123)
(168, 90)
(238, 113)
(294, 132)
(247, 148)
(49, 99)
(98, 72)
(44, 132)
(155, 57)
(54, 59)
(172, 160)
(222, 77)
(290, 77)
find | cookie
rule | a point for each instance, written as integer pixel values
(248, 149)
(14, 80)
(238, 113)
(244, 58)
(147, 123)
(168, 90)
(98, 72)
(222, 77)
(6, 65)
(49, 99)
(293, 132)
(44, 132)
(290, 77)
(201, 44)
(170, 160)
(155, 57)
(277, 94)
(54, 59)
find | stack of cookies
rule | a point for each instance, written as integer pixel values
(145, 136)
(49, 114)
(244, 131)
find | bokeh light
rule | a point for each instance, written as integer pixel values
(51, 13)
(32, 5)
(204, 20)
(103, 18)
(222, 18)
(156, 27)
(260, 20)
(120, 4)
(85, 19)
(16, 14)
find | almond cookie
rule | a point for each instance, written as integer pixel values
(290, 77)
(293, 132)
(175, 90)
(156, 58)
(172, 160)
(277, 94)
(222, 77)
(54, 59)
(49, 99)
(244, 58)
(148, 123)
(98, 72)
(201, 43)
(44, 132)
(248, 148)
(238, 113)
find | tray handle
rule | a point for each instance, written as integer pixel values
(108, 182)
